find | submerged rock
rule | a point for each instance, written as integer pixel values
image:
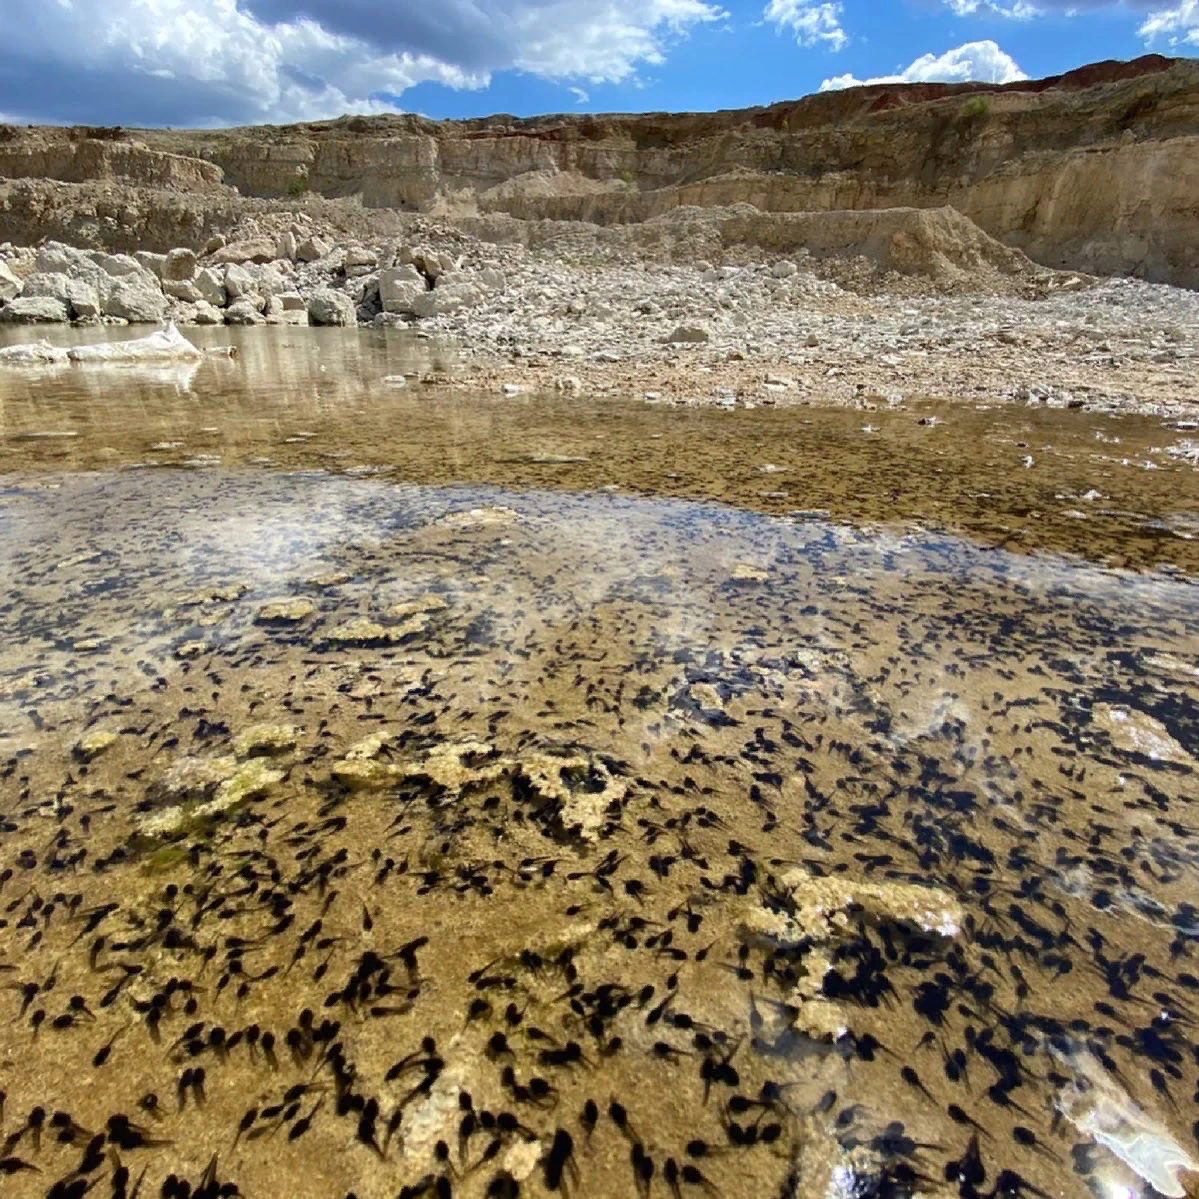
(263, 739)
(285, 611)
(92, 745)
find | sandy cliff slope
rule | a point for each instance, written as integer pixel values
(1096, 170)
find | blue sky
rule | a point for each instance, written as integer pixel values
(223, 62)
(745, 61)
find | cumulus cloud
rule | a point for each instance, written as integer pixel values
(981, 62)
(814, 22)
(1177, 25)
(1018, 10)
(198, 62)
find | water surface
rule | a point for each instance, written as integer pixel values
(826, 826)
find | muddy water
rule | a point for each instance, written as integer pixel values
(522, 796)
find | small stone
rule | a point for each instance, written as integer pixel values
(93, 744)
(689, 335)
(743, 572)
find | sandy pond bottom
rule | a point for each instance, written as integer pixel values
(364, 832)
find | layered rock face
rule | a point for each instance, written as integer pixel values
(1096, 170)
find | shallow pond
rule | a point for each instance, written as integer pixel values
(407, 788)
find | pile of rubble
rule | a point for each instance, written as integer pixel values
(296, 278)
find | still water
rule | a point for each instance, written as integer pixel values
(410, 791)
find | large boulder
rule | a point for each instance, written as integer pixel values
(34, 310)
(268, 279)
(182, 289)
(83, 300)
(311, 249)
(205, 314)
(358, 255)
(148, 260)
(399, 286)
(447, 298)
(180, 266)
(54, 258)
(48, 283)
(238, 282)
(210, 283)
(254, 249)
(80, 296)
(136, 300)
(119, 266)
(243, 312)
(329, 307)
(285, 247)
(10, 285)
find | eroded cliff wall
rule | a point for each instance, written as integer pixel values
(1097, 170)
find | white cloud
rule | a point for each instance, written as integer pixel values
(581, 96)
(195, 62)
(982, 62)
(1179, 24)
(1018, 10)
(814, 22)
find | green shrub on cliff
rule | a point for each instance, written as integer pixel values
(976, 108)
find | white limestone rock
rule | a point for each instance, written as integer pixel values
(10, 285)
(329, 307)
(243, 312)
(446, 299)
(149, 261)
(311, 249)
(206, 314)
(34, 310)
(399, 287)
(255, 249)
(119, 266)
(210, 284)
(360, 256)
(136, 300)
(182, 289)
(179, 266)
(238, 282)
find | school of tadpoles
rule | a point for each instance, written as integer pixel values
(591, 847)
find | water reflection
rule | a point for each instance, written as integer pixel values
(1106, 488)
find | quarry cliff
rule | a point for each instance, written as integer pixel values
(1095, 171)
